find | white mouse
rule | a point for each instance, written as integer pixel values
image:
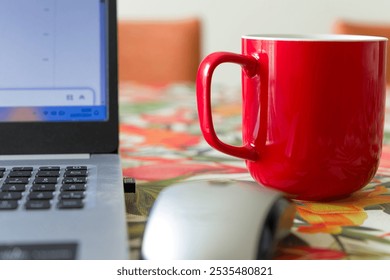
(204, 220)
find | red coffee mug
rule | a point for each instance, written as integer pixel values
(313, 111)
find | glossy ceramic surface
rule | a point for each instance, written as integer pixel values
(313, 112)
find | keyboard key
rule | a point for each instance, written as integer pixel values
(43, 188)
(70, 204)
(8, 204)
(49, 168)
(40, 196)
(73, 187)
(2, 169)
(22, 169)
(17, 181)
(82, 167)
(74, 180)
(10, 195)
(13, 188)
(72, 195)
(46, 173)
(45, 180)
(16, 174)
(37, 204)
(76, 173)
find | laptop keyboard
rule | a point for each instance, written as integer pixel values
(43, 188)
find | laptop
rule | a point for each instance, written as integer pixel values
(61, 187)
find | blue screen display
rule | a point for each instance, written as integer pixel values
(53, 58)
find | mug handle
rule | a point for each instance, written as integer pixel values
(250, 67)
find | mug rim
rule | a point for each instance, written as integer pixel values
(315, 37)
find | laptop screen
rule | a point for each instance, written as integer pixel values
(53, 58)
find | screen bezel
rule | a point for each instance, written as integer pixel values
(72, 137)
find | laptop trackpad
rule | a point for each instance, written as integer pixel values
(42, 251)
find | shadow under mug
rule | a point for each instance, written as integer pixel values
(313, 111)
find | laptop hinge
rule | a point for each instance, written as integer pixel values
(48, 156)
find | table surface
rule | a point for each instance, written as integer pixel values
(161, 144)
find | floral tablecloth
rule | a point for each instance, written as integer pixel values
(161, 144)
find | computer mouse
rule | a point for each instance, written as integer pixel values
(216, 219)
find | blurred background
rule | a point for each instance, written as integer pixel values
(223, 22)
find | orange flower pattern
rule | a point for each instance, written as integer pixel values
(330, 217)
(307, 253)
